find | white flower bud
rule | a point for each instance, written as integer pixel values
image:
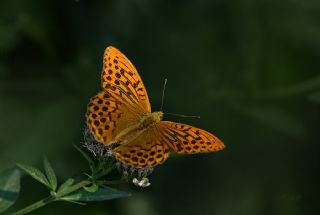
(144, 182)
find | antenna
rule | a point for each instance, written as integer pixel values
(164, 88)
(181, 115)
(173, 114)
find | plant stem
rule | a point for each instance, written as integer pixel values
(49, 199)
(34, 206)
(103, 173)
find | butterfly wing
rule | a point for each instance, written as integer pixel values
(123, 101)
(147, 150)
(121, 80)
(154, 145)
(186, 139)
(107, 117)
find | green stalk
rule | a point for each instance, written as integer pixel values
(34, 206)
(50, 199)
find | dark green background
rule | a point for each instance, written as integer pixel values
(250, 69)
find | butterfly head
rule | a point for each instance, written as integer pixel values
(157, 116)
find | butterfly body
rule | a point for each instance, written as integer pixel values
(150, 119)
(147, 121)
(121, 114)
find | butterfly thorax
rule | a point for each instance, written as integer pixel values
(150, 119)
(133, 131)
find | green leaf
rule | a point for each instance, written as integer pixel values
(91, 189)
(86, 156)
(101, 194)
(50, 174)
(66, 185)
(74, 202)
(35, 173)
(9, 188)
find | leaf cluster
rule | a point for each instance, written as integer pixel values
(92, 188)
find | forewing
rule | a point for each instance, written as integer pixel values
(121, 79)
(186, 139)
(147, 150)
(106, 117)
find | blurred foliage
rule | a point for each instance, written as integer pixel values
(249, 68)
(9, 188)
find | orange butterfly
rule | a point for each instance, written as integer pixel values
(121, 114)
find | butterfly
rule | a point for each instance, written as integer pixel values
(121, 115)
